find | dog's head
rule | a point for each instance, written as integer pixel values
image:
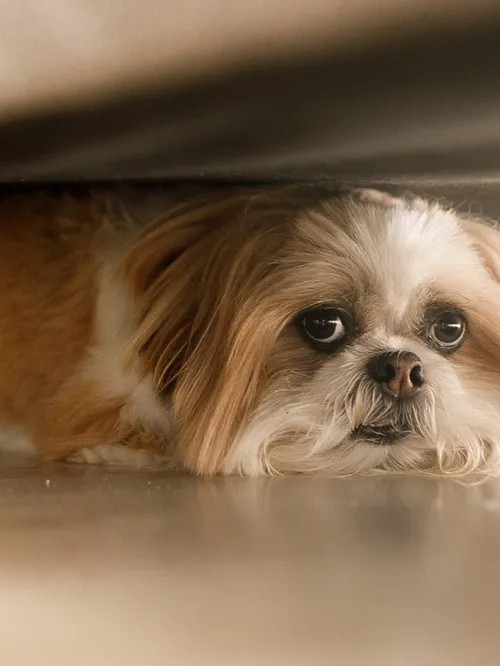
(300, 332)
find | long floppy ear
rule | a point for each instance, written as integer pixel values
(485, 238)
(484, 306)
(208, 314)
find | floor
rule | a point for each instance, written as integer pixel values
(102, 567)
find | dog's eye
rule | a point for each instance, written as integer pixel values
(324, 327)
(448, 329)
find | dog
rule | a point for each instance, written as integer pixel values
(251, 331)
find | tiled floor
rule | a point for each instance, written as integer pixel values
(138, 569)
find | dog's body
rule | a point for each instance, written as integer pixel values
(250, 331)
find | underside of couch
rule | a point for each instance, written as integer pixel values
(343, 92)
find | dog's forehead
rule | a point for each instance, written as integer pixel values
(404, 249)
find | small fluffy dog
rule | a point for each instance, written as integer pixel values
(250, 331)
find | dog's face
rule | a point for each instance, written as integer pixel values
(359, 336)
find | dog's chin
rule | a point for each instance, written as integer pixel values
(300, 439)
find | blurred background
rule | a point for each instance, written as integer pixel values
(404, 93)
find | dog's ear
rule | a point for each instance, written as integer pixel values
(205, 285)
(485, 237)
(484, 306)
(164, 270)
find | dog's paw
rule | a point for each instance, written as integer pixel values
(118, 455)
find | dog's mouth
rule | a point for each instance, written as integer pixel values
(382, 434)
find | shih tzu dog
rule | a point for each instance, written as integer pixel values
(251, 331)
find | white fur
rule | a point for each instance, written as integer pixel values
(398, 248)
(108, 362)
(117, 376)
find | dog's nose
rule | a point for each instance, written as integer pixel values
(399, 374)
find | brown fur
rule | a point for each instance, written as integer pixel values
(50, 250)
(187, 274)
(214, 282)
(47, 294)
(480, 355)
(219, 252)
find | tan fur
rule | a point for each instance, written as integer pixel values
(220, 250)
(480, 355)
(47, 294)
(485, 239)
(48, 287)
(169, 328)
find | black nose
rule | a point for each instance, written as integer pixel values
(399, 374)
